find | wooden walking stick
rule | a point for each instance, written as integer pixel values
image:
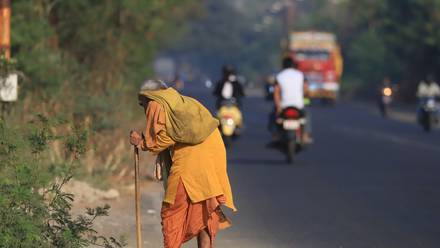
(137, 198)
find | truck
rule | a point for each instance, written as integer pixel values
(319, 57)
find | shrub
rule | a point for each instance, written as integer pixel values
(34, 210)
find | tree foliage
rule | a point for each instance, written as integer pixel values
(97, 49)
(382, 38)
(85, 60)
(34, 210)
(82, 60)
(231, 32)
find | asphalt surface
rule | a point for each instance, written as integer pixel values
(365, 183)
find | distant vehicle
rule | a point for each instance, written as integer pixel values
(292, 122)
(429, 114)
(319, 57)
(208, 83)
(386, 98)
(231, 121)
(270, 87)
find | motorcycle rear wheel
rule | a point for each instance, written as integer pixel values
(427, 123)
(291, 151)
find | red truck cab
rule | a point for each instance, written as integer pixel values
(318, 57)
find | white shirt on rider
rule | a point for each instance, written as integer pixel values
(428, 90)
(291, 83)
(227, 90)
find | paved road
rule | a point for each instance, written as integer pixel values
(365, 183)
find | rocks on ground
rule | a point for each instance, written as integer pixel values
(85, 193)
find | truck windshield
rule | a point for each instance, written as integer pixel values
(311, 55)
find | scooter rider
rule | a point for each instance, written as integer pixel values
(426, 90)
(289, 92)
(384, 96)
(228, 87)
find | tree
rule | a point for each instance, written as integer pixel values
(226, 34)
(393, 38)
(85, 59)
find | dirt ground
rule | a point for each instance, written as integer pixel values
(121, 220)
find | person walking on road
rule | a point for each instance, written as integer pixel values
(191, 161)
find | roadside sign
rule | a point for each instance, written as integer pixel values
(9, 88)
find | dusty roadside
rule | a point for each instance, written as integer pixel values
(121, 219)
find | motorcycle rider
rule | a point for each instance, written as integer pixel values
(289, 92)
(269, 87)
(382, 100)
(386, 83)
(427, 89)
(228, 87)
(229, 91)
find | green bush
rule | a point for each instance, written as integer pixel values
(34, 210)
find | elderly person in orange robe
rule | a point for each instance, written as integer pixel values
(191, 161)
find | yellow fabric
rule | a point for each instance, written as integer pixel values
(187, 121)
(163, 141)
(201, 167)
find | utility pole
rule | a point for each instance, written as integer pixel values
(289, 9)
(5, 27)
(289, 15)
(8, 84)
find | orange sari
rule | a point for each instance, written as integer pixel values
(184, 220)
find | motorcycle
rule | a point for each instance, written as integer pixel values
(231, 121)
(292, 121)
(385, 100)
(428, 114)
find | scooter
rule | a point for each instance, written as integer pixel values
(292, 121)
(428, 114)
(385, 100)
(231, 121)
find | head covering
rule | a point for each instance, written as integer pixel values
(152, 84)
(187, 120)
(228, 70)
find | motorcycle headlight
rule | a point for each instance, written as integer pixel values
(387, 92)
(230, 122)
